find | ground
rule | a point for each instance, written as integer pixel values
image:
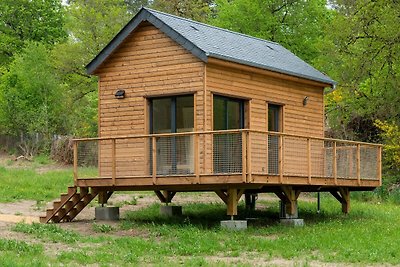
(142, 236)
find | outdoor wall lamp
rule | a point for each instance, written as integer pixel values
(120, 94)
(305, 100)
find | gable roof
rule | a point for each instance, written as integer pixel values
(205, 41)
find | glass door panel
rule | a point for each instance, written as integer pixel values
(227, 114)
(173, 115)
(274, 125)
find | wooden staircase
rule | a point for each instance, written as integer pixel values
(70, 205)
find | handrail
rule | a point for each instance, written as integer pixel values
(223, 132)
(284, 156)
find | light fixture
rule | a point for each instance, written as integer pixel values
(305, 100)
(120, 94)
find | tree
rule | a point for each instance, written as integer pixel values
(29, 20)
(31, 96)
(296, 24)
(198, 10)
(362, 52)
(91, 24)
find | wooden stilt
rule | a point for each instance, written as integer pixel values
(343, 196)
(289, 197)
(165, 196)
(232, 201)
(104, 196)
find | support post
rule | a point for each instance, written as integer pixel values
(232, 202)
(154, 158)
(309, 160)
(75, 162)
(289, 197)
(113, 166)
(358, 164)
(345, 192)
(343, 196)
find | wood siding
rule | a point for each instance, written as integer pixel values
(259, 89)
(147, 64)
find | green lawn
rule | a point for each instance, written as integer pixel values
(370, 234)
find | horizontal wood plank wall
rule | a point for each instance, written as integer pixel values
(147, 64)
(302, 120)
(298, 119)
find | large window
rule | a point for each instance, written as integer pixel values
(173, 114)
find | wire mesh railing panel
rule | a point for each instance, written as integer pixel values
(329, 159)
(175, 155)
(259, 153)
(346, 160)
(295, 156)
(317, 158)
(227, 153)
(131, 157)
(273, 154)
(369, 162)
(88, 159)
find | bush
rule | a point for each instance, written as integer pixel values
(62, 150)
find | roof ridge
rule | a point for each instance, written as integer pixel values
(211, 26)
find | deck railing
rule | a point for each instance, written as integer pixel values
(233, 152)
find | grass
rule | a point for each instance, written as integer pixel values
(29, 183)
(368, 235)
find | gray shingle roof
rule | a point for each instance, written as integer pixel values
(206, 41)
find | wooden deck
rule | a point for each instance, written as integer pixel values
(221, 159)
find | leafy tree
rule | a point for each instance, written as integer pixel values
(91, 24)
(362, 52)
(296, 24)
(198, 10)
(31, 97)
(29, 20)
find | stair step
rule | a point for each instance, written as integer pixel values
(71, 190)
(70, 205)
(43, 219)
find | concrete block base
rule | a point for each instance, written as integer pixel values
(292, 222)
(171, 211)
(107, 213)
(235, 225)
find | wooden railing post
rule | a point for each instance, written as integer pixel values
(154, 157)
(280, 158)
(266, 154)
(244, 157)
(114, 163)
(309, 160)
(359, 164)
(196, 158)
(334, 163)
(249, 155)
(75, 146)
(379, 163)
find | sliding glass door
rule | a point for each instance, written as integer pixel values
(274, 125)
(228, 114)
(174, 114)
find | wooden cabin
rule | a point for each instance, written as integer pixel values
(184, 106)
